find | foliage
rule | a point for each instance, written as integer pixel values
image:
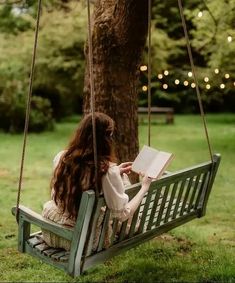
(59, 62)
(11, 22)
(12, 111)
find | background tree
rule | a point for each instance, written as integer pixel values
(119, 32)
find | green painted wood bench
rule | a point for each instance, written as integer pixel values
(165, 112)
(173, 200)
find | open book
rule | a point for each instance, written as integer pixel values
(151, 162)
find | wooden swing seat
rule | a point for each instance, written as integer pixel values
(171, 201)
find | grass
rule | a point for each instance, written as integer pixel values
(200, 251)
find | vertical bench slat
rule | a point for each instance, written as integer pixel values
(205, 176)
(122, 234)
(154, 207)
(159, 218)
(185, 198)
(134, 221)
(115, 228)
(104, 229)
(195, 188)
(169, 207)
(209, 184)
(100, 204)
(80, 232)
(145, 210)
(178, 201)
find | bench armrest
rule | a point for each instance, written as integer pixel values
(29, 216)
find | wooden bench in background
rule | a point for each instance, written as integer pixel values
(167, 112)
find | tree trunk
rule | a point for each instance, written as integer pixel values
(119, 31)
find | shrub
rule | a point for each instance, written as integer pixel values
(13, 108)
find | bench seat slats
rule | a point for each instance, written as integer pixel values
(34, 241)
(59, 254)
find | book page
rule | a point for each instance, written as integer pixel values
(144, 159)
(151, 162)
(159, 164)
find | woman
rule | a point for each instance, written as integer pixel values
(74, 173)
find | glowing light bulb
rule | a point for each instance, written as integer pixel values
(165, 86)
(160, 76)
(200, 14)
(227, 76)
(193, 85)
(190, 74)
(143, 68)
(208, 86)
(206, 79)
(144, 88)
(229, 38)
(234, 83)
(166, 73)
(177, 82)
(186, 83)
(217, 71)
(222, 86)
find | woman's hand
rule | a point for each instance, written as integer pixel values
(125, 167)
(146, 181)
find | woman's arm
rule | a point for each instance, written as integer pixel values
(116, 198)
(134, 203)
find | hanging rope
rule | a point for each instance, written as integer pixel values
(149, 70)
(92, 97)
(28, 108)
(92, 106)
(194, 76)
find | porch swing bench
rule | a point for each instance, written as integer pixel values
(171, 201)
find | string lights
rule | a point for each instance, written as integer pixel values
(144, 88)
(143, 68)
(207, 81)
(208, 85)
(229, 38)
(200, 14)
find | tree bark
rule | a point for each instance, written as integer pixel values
(119, 32)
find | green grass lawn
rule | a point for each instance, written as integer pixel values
(200, 251)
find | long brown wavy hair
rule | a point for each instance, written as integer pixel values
(75, 172)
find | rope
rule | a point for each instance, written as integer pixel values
(92, 97)
(194, 76)
(92, 106)
(28, 109)
(149, 71)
